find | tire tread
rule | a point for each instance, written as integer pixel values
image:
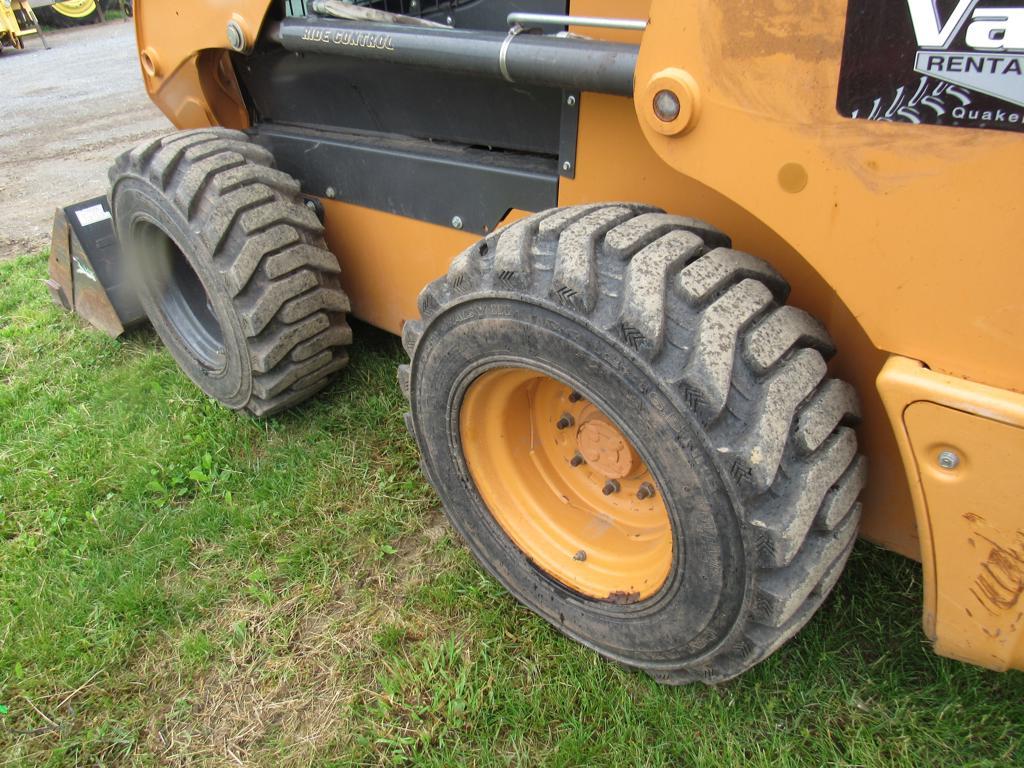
(712, 322)
(268, 249)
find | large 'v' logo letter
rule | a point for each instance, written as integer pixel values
(930, 31)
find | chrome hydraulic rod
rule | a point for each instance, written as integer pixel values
(523, 18)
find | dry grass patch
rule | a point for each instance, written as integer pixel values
(278, 674)
(280, 680)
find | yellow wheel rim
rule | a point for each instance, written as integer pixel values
(75, 9)
(566, 485)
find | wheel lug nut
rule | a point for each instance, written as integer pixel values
(575, 397)
(612, 486)
(580, 556)
(566, 421)
(645, 491)
(577, 460)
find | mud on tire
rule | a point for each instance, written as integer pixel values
(723, 389)
(231, 268)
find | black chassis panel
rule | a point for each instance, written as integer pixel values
(329, 93)
(446, 184)
(421, 144)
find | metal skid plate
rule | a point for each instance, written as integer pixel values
(86, 272)
(450, 185)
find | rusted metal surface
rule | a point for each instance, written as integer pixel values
(623, 598)
(60, 263)
(91, 301)
(86, 275)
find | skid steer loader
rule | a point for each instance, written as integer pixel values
(693, 292)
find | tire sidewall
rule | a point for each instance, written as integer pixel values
(134, 201)
(707, 587)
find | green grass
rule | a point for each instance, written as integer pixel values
(184, 585)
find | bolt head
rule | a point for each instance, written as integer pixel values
(236, 38)
(673, 99)
(457, 222)
(577, 460)
(645, 491)
(580, 556)
(330, 192)
(571, 100)
(311, 205)
(566, 166)
(666, 106)
(949, 460)
(612, 486)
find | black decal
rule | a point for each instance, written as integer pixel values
(937, 62)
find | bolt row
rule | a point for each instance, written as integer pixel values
(645, 491)
(566, 420)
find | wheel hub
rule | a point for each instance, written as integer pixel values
(605, 448)
(566, 485)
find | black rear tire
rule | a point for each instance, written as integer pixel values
(54, 18)
(231, 268)
(687, 345)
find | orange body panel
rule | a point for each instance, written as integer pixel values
(971, 516)
(901, 239)
(184, 59)
(387, 260)
(915, 227)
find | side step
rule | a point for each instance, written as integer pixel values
(86, 273)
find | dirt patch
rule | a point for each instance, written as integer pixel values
(68, 112)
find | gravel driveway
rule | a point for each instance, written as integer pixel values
(67, 113)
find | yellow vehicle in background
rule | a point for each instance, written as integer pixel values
(78, 10)
(18, 18)
(72, 13)
(17, 21)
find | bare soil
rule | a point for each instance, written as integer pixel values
(67, 113)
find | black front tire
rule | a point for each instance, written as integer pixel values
(721, 387)
(231, 268)
(57, 20)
